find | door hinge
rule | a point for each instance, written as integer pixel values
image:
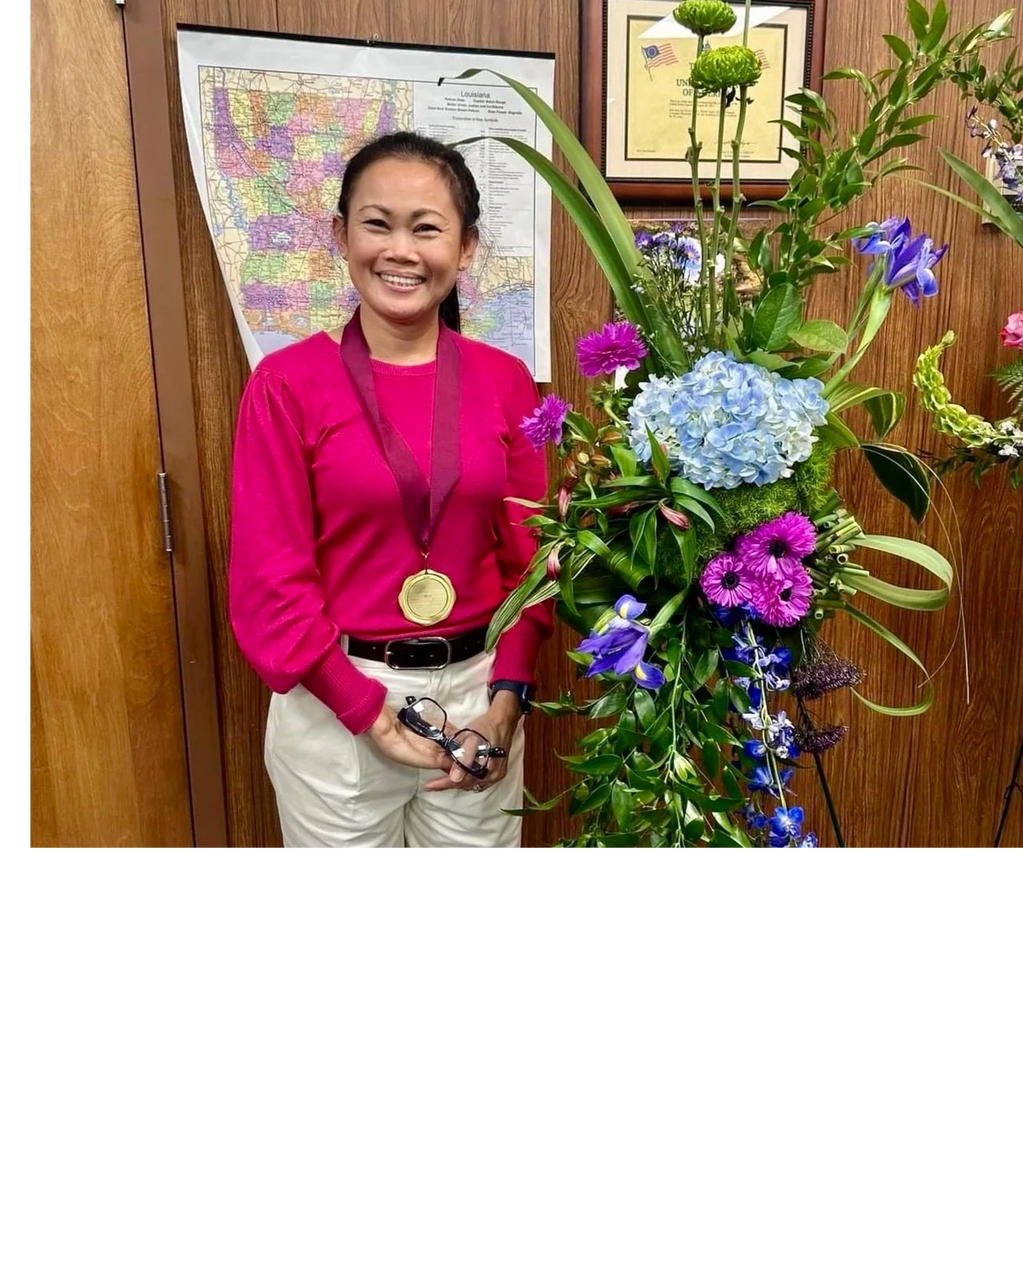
(165, 519)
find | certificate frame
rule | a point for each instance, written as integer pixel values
(642, 160)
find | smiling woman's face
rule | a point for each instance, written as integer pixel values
(403, 239)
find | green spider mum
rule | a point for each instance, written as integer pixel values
(705, 17)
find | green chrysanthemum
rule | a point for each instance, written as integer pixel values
(731, 67)
(705, 17)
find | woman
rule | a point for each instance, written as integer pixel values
(372, 540)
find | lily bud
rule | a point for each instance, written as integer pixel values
(675, 517)
(553, 564)
(564, 495)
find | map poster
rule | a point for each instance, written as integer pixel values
(271, 122)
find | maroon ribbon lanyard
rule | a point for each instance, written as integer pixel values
(422, 500)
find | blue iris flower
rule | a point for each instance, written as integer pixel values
(621, 646)
(908, 261)
(908, 268)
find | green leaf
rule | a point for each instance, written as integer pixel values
(838, 434)
(902, 475)
(705, 667)
(512, 606)
(602, 764)
(609, 705)
(820, 336)
(622, 800)
(667, 612)
(646, 709)
(899, 47)
(885, 411)
(686, 540)
(684, 490)
(776, 314)
(658, 458)
(999, 209)
(918, 18)
(939, 21)
(850, 393)
(768, 360)
(913, 710)
(920, 554)
(608, 211)
(592, 230)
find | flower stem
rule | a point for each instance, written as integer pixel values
(733, 229)
(715, 239)
(694, 162)
(828, 800)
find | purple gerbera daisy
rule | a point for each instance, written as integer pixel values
(782, 602)
(604, 351)
(727, 581)
(546, 421)
(777, 547)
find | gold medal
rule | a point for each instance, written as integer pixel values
(427, 597)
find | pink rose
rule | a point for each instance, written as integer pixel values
(1012, 335)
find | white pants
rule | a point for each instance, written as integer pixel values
(335, 789)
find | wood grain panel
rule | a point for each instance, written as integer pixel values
(108, 754)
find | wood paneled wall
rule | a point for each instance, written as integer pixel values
(927, 781)
(108, 751)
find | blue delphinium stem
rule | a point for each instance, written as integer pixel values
(761, 682)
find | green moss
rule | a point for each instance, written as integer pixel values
(748, 506)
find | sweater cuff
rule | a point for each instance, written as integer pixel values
(516, 653)
(353, 698)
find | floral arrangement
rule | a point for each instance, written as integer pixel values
(978, 444)
(694, 541)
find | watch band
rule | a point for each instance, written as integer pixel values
(522, 689)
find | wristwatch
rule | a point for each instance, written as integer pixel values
(522, 689)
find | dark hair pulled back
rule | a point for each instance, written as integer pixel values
(449, 160)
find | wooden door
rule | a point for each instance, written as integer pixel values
(108, 748)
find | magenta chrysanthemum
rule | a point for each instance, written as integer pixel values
(604, 351)
(727, 581)
(546, 421)
(782, 602)
(777, 547)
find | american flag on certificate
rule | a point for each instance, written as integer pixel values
(658, 55)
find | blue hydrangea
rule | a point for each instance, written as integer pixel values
(728, 423)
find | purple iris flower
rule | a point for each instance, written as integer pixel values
(883, 238)
(649, 676)
(908, 268)
(622, 644)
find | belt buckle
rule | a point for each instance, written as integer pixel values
(416, 641)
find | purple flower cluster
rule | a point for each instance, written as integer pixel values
(546, 422)
(765, 572)
(908, 260)
(616, 346)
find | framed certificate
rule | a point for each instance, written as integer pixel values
(637, 104)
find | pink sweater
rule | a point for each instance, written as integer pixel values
(319, 545)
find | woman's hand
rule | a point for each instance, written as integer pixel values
(402, 745)
(498, 726)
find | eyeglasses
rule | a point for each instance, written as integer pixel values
(467, 748)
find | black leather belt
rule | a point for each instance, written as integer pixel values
(420, 652)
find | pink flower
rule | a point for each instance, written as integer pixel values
(546, 422)
(727, 581)
(604, 351)
(782, 602)
(1012, 334)
(777, 547)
